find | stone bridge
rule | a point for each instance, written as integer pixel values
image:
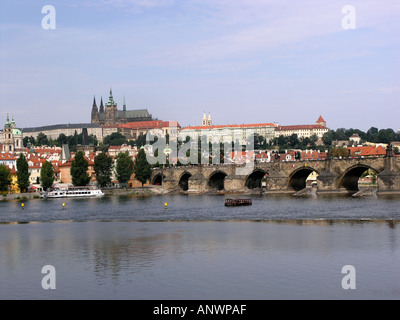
(334, 176)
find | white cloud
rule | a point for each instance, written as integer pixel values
(388, 90)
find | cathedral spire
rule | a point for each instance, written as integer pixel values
(95, 112)
(110, 99)
(94, 102)
(101, 105)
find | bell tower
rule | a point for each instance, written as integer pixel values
(8, 139)
(204, 120)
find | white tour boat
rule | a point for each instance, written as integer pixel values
(73, 192)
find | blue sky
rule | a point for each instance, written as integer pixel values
(244, 61)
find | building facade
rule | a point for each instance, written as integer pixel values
(303, 131)
(225, 133)
(133, 130)
(53, 132)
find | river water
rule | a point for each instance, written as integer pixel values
(126, 247)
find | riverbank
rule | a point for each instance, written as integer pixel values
(139, 191)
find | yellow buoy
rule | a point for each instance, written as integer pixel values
(165, 205)
(63, 205)
(22, 205)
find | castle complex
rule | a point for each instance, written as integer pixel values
(109, 114)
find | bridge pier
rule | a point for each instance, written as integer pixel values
(169, 182)
(277, 181)
(389, 179)
(197, 183)
(327, 182)
(234, 183)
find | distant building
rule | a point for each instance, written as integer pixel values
(303, 131)
(367, 151)
(111, 116)
(229, 132)
(113, 151)
(132, 130)
(355, 138)
(53, 131)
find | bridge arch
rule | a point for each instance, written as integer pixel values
(158, 179)
(184, 181)
(254, 179)
(298, 178)
(217, 180)
(349, 179)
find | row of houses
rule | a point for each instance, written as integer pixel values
(11, 137)
(61, 165)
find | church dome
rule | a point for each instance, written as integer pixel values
(16, 132)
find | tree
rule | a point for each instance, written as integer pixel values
(103, 165)
(124, 167)
(47, 175)
(5, 177)
(372, 134)
(42, 140)
(22, 173)
(62, 139)
(79, 168)
(142, 168)
(340, 152)
(293, 140)
(115, 139)
(28, 140)
(327, 138)
(141, 140)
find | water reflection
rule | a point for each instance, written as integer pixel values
(130, 248)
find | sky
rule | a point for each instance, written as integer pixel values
(242, 61)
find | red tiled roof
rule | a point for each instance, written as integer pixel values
(149, 124)
(301, 127)
(320, 119)
(255, 125)
(7, 156)
(68, 163)
(367, 151)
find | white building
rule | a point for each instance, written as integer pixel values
(303, 131)
(226, 133)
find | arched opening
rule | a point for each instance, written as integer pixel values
(184, 181)
(158, 179)
(255, 179)
(302, 178)
(358, 176)
(216, 180)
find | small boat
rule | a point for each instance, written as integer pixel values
(72, 192)
(238, 202)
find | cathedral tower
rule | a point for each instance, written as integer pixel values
(95, 112)
(111, 110)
